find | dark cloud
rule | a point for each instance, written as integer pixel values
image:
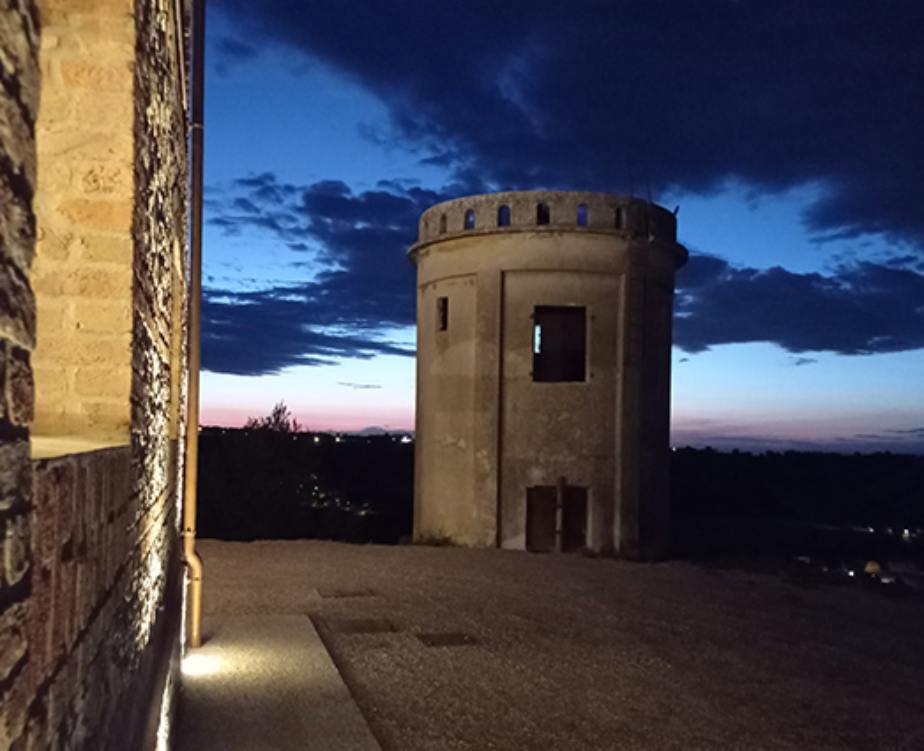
(863, 308)
(624, 96)
(800, 361)
(257, 333)
(363, 286)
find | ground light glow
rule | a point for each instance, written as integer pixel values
(197, 665)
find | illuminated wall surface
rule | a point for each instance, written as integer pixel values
(543, 372)
(92, 280)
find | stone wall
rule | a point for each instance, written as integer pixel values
(19, 39)
(490, 434)
(90, 631)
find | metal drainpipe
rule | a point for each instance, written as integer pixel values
(193, 562)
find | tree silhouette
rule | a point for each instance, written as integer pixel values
(279, 420)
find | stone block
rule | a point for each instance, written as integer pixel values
(17, 225)
(63, 481)
(106, 179)
(61, 692)
(103, 316)
(105, 381)
(36, 735)
(96, 76)
(17, 307)
(66, 603)
(13, 642)
(14, 563)
(53, 246)
(114, 216)
(106, 248)
(54, 318)
(91, 282)
(15, 51)
(44, 516)
(57, 10)
(60, 615)
(15, 707)
(84, 592)
(82, 145)
(4, 406)
(19, 387)
(57, 107)
(88, 349)
(102, 111)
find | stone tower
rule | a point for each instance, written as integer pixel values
(543, 372)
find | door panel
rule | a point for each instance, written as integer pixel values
(540, 519)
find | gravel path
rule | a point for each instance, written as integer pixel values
(577, 653)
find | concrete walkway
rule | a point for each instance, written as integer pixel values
(266, 682)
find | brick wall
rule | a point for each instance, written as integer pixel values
(104, 610)
(83, 269)
(19, 39)
(90, 577)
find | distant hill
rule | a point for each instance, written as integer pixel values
(379, 430)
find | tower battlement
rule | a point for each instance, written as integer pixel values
(518, 211)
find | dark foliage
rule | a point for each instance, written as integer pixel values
(273, 484)
(833, 506)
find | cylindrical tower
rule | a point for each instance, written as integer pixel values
(543, 372)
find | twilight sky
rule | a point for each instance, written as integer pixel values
(790, 134)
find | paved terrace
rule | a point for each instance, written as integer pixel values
(446, 648)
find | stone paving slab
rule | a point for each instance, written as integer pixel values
(266, 682)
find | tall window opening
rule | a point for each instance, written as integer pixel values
(618, 219)
(442, 313)
(442, 224)
(559, 343)
(503, 216)
(582, 215)
(543, 215)
(470, 219)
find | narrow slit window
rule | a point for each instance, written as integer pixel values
(542, 213)
(503, 216)
(582, 215)
(442, 313)
(442, 224)
(470, 219)
(618, 219)
(559, 343)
